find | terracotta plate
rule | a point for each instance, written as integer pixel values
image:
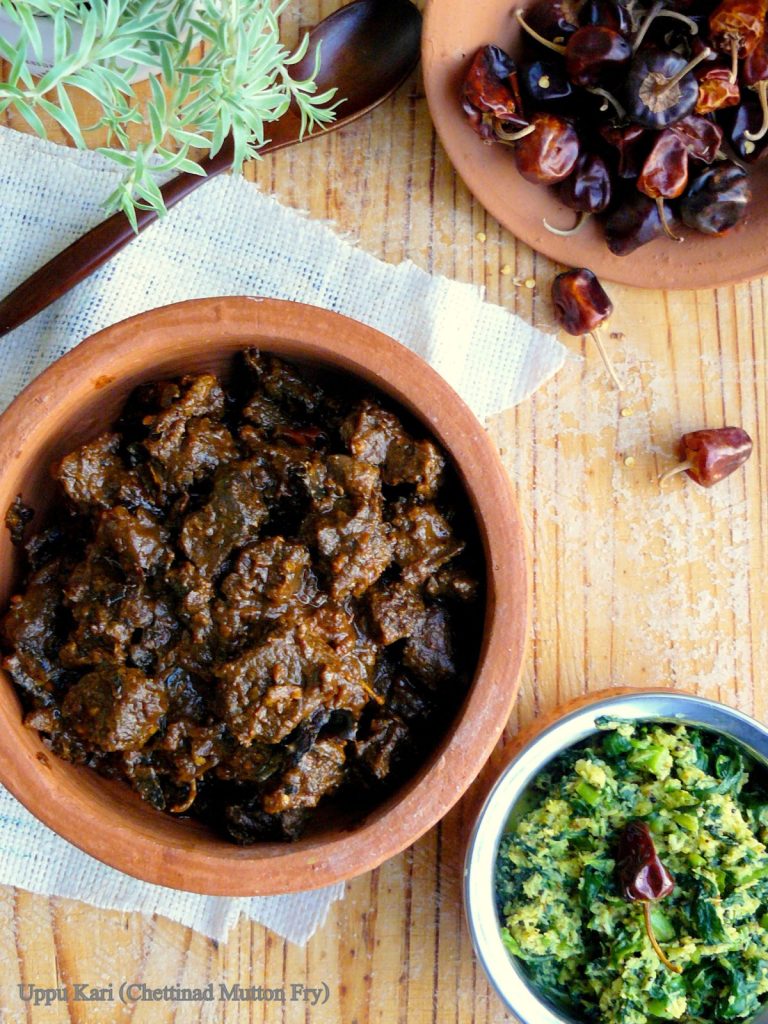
(453, 31)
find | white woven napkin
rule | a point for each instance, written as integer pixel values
(225, 239)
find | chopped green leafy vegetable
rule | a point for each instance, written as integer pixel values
(582, 944)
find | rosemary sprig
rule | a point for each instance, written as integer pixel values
(241, 84)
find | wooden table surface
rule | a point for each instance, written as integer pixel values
(632, 586)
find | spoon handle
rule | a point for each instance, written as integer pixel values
(85, 255)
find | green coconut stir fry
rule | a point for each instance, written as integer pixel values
(586, 939)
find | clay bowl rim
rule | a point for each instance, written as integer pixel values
(452, 31)
(531, 751)
(105, 819)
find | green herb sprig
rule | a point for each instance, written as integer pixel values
(242, 82)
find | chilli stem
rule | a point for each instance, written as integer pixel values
(664, 223)
(762, 91)
(565, 232)
(658, 12)
(510, 137)
(681, 467)
(693, 28)
(607, 360)
(646, 24)
(654, 942)
(539, 38)
(704, 55)
(620, 111)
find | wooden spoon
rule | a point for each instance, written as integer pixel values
(368, 48)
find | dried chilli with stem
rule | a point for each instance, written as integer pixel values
(710, 455)
(581, 306)
(643, 878)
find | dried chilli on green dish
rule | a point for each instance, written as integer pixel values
(564, 915)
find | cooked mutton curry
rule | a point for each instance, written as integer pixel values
(249, 597)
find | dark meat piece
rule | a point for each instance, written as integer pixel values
(30, 631)
(187, 750)
(396, 610)
(95, 476)
(247, 823)
(416, 462)
(369, 432)
(263, 413)
(141, 773)
(179, 401)
(410, 701)
(318, 773)
(305, 734)
(194, 592)
(191, 451)
(45, 546)
(268, 577)
(452, 583)
(230, 518)
(188, 696)
(137, 539)
(318, 661)
(351, 537)
(260, 693)
(185, 440)
(107, 611)
(287, 467)
(115, 708)
(429, 650)
(374, 435)
(150, 643)
(43, 719)
(375, 752)
(254, 763)
(281, 383)
(16, 519)
(424, 541)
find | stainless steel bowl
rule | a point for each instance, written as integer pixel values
(503, 971)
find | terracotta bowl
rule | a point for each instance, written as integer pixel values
(80, 396)
(453, 31)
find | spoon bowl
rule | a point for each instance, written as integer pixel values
(367, 49)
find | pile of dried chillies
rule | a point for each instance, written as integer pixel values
(640, 115)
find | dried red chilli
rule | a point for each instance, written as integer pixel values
(643, 878)
(716, 199)
(549, 152)
(665, 174)
(735, 28)
(581, 305)
(716, 89)
(491, 96)
(700, 136)
(586, 190)
(711, 454)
